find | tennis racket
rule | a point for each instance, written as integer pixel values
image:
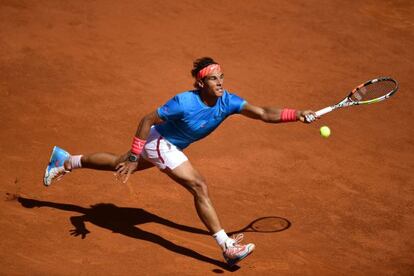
(265, 225)
(372, 91)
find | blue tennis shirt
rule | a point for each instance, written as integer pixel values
(187, 119)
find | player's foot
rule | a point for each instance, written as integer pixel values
(56, 169)
(235, 252)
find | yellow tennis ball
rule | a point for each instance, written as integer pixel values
(325, 131)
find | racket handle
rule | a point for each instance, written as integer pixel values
(323, 111)
(310, 118)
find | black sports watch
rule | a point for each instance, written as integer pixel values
(132, 157)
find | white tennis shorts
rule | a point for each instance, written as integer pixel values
(162, 153)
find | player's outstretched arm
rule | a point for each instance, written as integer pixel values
(276, 115)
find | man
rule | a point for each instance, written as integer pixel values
(164, 133)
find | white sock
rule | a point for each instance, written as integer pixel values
(221, 238)
(75, 161)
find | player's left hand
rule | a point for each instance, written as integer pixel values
(124, 170)
(307, 116)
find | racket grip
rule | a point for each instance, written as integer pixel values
(323, 111)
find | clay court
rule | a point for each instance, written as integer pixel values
(81, 74)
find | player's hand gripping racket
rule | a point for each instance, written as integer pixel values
(373, 91)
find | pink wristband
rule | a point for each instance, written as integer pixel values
(137, 146)
(288, 115)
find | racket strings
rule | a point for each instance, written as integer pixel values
(373, 90)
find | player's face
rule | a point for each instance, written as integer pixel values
(213, 83)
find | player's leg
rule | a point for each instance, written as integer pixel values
(61, 162)
(98, 161)
(187, 176)
(193, 181)
(172, 161)
(103, 161)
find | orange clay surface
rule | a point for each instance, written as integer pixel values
(81, 74)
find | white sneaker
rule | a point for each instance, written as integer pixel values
(235, 252)
(54, 174)
(55, 169)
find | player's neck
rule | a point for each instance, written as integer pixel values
(208, 99)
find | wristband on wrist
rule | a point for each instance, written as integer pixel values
(288, 115)
(137, 145)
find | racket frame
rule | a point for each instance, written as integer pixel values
(347, 101)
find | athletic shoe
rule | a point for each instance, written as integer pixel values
(235, 252)
(55, 169)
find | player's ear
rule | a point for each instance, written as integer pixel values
(200, 83)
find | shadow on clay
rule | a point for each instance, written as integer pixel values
(124, 220)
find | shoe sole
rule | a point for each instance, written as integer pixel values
(47, 168)
(55, 149)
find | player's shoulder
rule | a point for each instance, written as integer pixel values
(231, 95)
(186, 94)
(186, 97)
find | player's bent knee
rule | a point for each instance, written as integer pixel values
(199, 187)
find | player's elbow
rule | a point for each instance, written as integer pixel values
(151, 119)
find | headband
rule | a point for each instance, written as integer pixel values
(208, 70)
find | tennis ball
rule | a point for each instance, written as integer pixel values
(325, 131)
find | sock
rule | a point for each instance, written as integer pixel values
(221, 238)
(75, 161)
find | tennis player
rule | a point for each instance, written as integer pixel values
(163, 134)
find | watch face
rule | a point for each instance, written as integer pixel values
(133, 158)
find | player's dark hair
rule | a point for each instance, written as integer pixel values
(199, 64)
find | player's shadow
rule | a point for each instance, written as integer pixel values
(124, 220)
